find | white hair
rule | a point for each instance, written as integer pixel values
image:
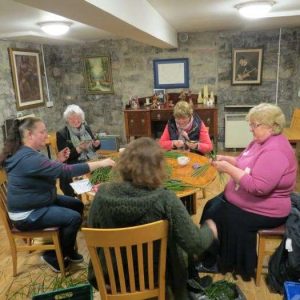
(73, 109)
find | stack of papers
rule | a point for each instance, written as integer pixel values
(81, 186)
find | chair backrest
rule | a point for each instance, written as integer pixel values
(131, 255)
(3, 201)
(295, 123)
(52, 143)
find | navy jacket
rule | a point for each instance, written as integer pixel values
(32, 179)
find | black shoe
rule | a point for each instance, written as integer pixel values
(75, 257)
(201, 268)
(53, 263)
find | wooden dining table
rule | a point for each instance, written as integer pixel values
(188, 196)
(198, 183)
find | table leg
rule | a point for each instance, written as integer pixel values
(190, 203)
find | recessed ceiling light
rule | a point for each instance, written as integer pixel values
(254, 9)
(55, 27)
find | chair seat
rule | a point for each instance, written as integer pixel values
(264, 236)
(15, 230)
(273, 231)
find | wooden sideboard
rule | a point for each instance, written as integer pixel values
(151, 122)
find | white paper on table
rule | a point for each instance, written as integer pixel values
(81, 186)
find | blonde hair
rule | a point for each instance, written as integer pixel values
(182, 109)
(142, 164)
(267, 114)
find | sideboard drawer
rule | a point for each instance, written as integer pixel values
(161, 115)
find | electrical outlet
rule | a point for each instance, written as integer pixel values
(49, 103)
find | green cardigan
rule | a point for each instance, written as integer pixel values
(122, 205)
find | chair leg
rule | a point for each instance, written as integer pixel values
(59, 255)
(260, 259)
(14, 257)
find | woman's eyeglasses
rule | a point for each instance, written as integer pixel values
(254, 125)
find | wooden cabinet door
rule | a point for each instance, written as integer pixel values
(210, 119)
(137, 123)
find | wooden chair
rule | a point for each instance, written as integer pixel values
(26, 237)
(137, 238)
(273, 237)
(51, 144)
(292, 133)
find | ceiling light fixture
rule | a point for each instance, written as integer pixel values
(55, 27)
(254, 9)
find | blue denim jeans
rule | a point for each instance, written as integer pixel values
(65, 213)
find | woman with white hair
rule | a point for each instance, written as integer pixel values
(78, 137)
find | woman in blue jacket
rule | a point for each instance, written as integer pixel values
(32, 199)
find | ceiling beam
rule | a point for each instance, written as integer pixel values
(133, 19)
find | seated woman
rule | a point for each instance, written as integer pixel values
(31, 192)
(78, 137)
(139, 199)
(257, 195)
(185, 130)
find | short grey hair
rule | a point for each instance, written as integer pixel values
(267, 114)
(73, 109)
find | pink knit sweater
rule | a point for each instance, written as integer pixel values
(271, 169)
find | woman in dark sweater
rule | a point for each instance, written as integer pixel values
(78, 137)
(139, 199)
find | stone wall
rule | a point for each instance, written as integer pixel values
(210, 61)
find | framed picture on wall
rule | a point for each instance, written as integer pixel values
(171, 73)
(26, 75)
(98, 75)
(247, 66)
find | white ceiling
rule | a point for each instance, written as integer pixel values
(154, 22)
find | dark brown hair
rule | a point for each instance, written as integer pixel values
(142, 163)
(15, 136)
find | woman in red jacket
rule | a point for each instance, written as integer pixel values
(185, 130)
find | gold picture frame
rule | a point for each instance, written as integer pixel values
(26, 76)
(247, 66)
(98, 75)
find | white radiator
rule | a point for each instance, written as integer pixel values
(237, 131)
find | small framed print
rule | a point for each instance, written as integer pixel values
(247, 66)
(98, 75)
(160, 93)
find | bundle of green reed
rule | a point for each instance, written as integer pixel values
(176, 185)
(213, 156)
(101, 175)
(200, 170)
(172, 154)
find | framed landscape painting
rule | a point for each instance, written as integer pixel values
(247, 66)
(98, 75)
(26, 75)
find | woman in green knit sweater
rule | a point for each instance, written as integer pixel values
(139, 199)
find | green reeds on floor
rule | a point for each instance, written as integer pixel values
(41, 281)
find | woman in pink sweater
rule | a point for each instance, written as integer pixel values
(257, 195)
(186, 131)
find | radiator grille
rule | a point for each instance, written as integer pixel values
(237, 132)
